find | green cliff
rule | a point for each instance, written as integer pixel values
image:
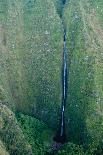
(85, 71)
(31, 57)
(31, 61)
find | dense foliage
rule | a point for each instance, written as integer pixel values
(11, 135)
(84, 111)
(31, 47)
(31, 57)
(27, 135)
(36, 132)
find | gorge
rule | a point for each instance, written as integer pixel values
(61, 134)
(51, 77)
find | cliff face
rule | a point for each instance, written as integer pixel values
(84, 111)
(31, 57)
(31, 48)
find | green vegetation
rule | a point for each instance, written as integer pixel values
(37, 133)
(71, 149)
(84, 110)
(3, 149)
(31, 58)
(27, 136)
(11, 135)
(59, 4)
(31, 47)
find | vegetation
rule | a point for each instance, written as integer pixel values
(3, 149)
(31, 47)
(71, 149)
(11, 135)
(31, 57)
(27, 136)
(37, 133)
(85, 71)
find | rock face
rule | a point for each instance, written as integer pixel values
(31, 57)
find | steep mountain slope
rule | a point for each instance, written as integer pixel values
(31, 57)
(85, 71)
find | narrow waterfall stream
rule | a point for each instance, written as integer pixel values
(64, 85)
(61, 135)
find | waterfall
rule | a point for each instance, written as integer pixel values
(61, 135)
(64, 85)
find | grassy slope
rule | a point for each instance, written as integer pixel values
(85, 64)
(30, 57)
